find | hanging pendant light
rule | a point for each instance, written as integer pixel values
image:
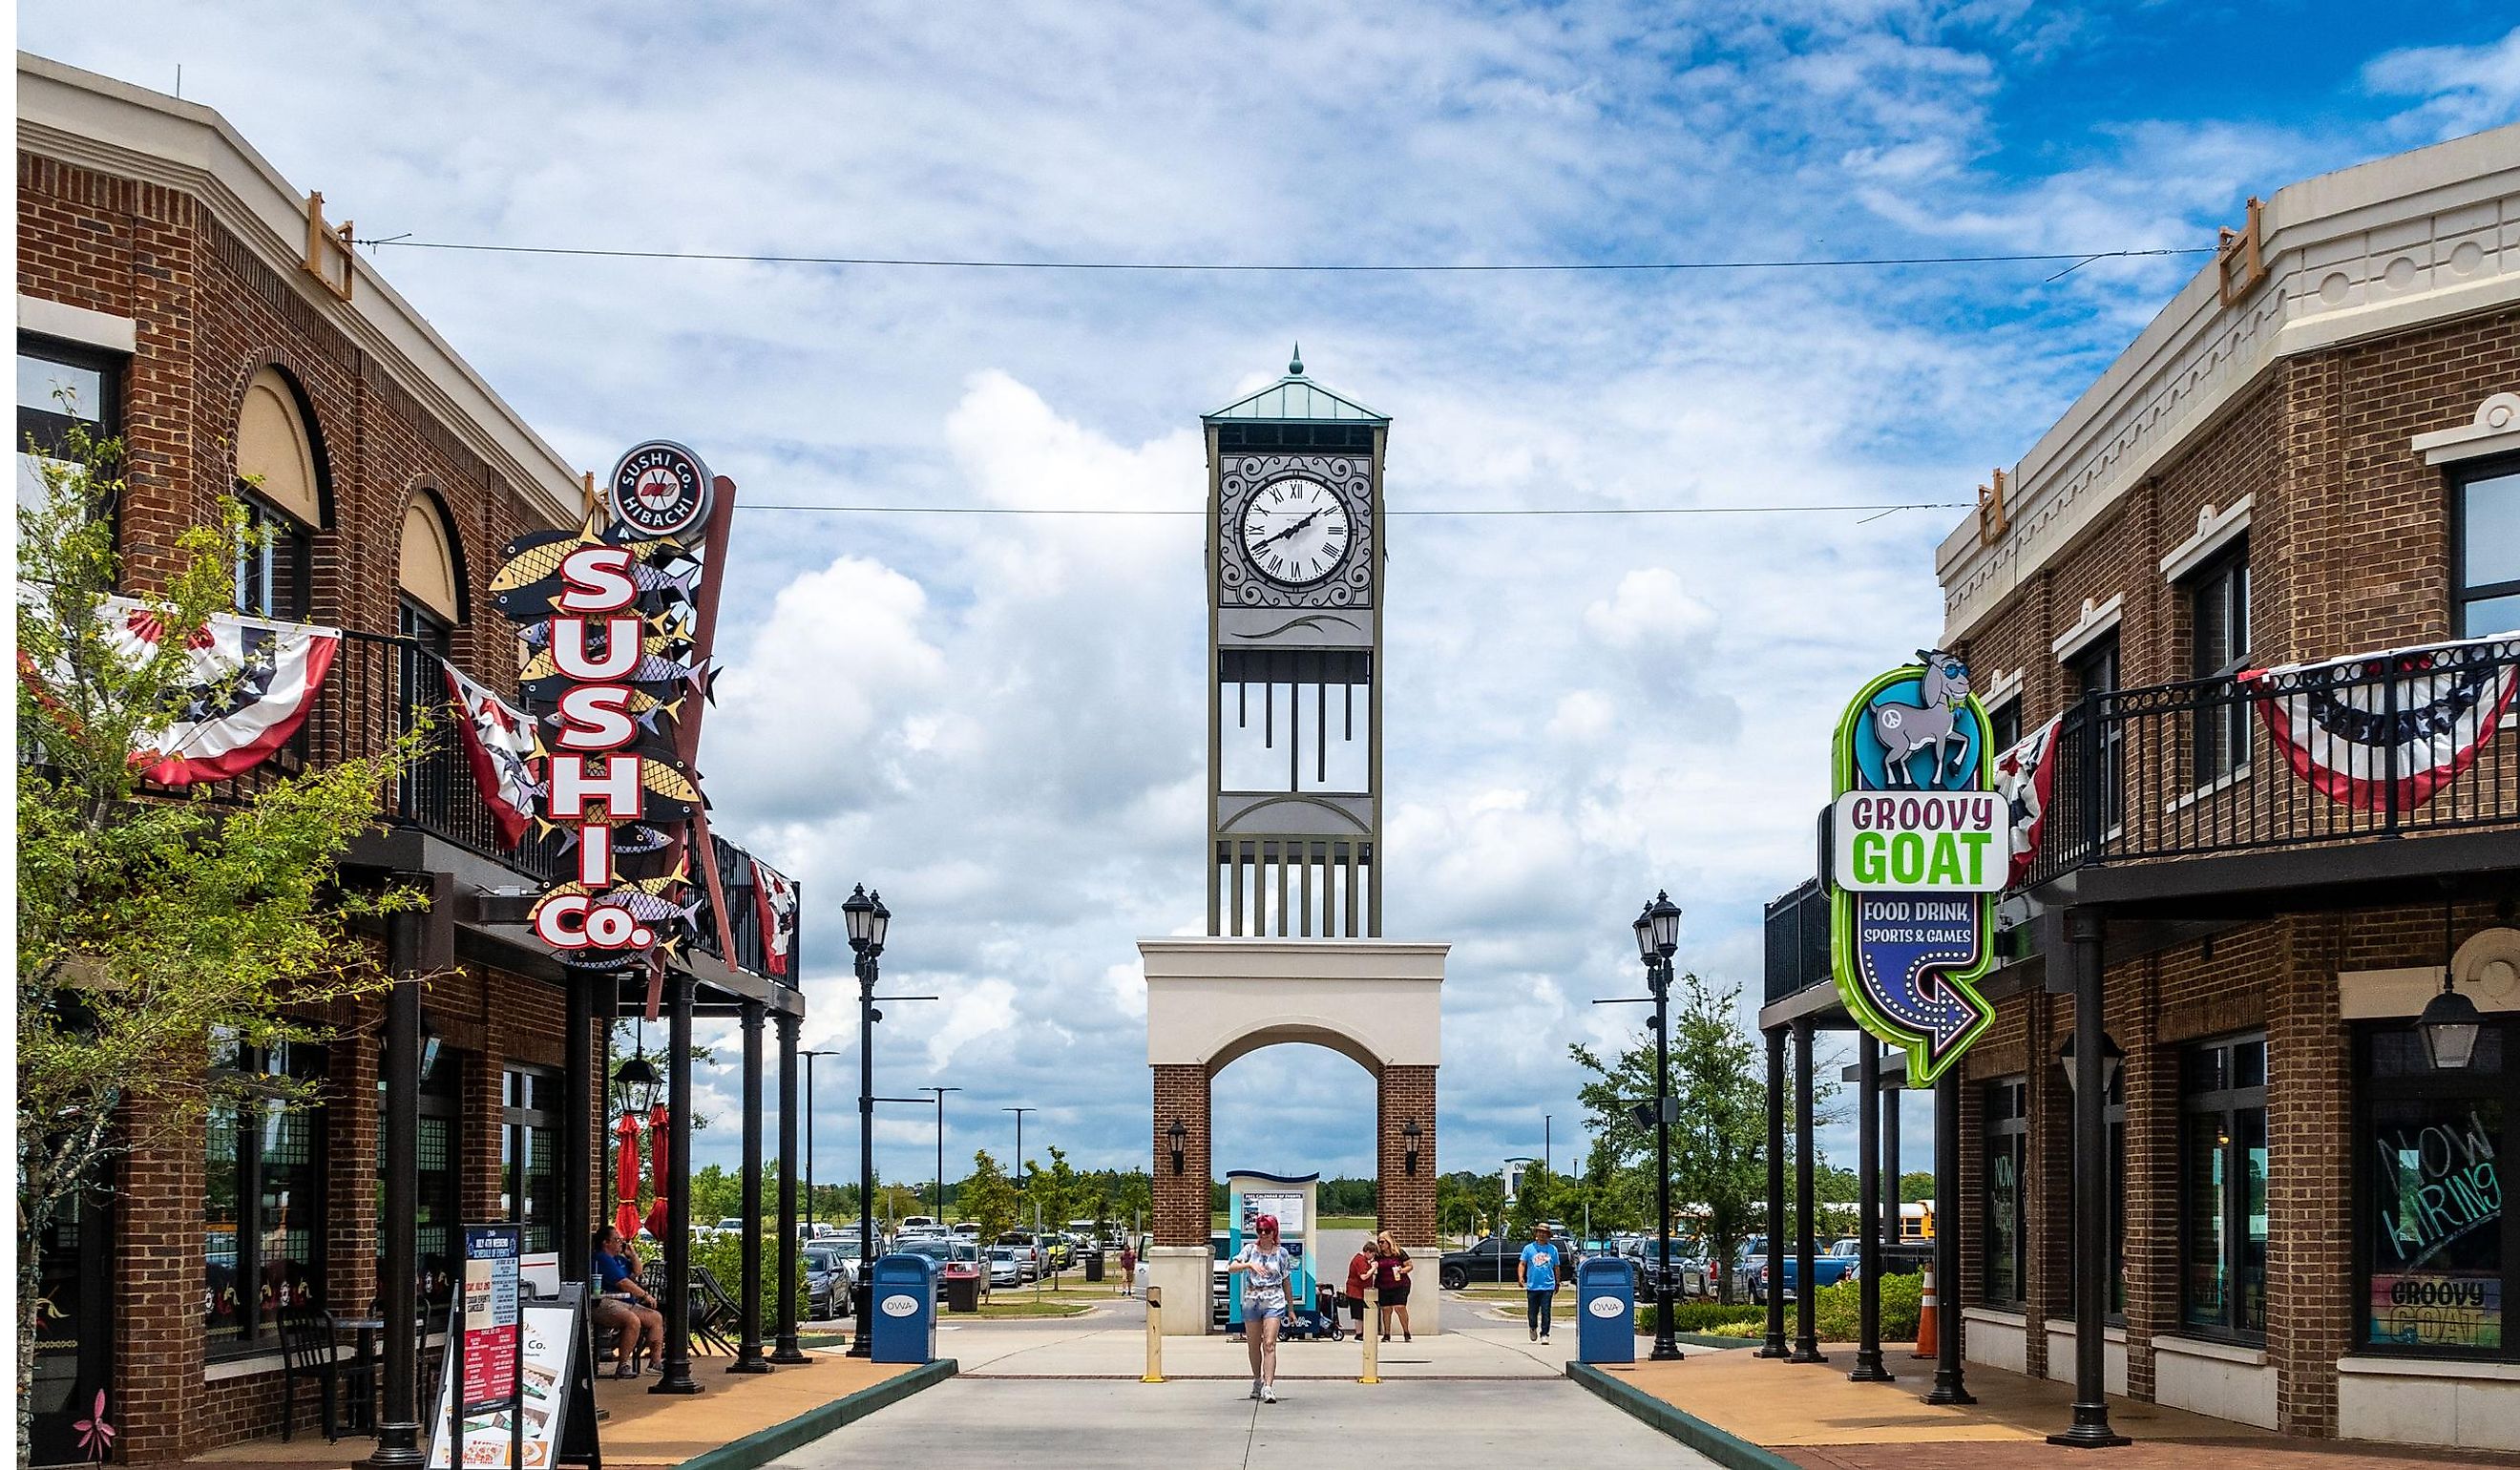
(2451, 1021)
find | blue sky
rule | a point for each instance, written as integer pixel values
(997, 720)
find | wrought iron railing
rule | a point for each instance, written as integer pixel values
(382, 688)
(1798, 942)
(2195, 767)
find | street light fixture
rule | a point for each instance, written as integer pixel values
(1657, 931)
(809, 1053)
(1016, 1167)
(2112, 1057)
(868, 921)
(2451, 1021)
(639, 1082)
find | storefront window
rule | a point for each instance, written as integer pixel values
(2008, 1141)
(2223, 1189)
(262, 1210)
(529, 1157)
(433, 1211)
(2431, 1144)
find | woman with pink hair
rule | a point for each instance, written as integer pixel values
(1268, 1265)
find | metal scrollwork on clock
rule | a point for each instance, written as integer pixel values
(1241, 584)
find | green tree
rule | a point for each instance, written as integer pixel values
(1133, 1199)
(1719, 1138)
(989, 1200)
(151, 929)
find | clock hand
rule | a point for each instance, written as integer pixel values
(1288, 531)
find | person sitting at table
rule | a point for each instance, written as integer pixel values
(625, 1304)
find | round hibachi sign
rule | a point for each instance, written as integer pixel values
(900, 1306)
(1606, 1307)
(660, 489)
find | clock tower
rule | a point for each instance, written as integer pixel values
(1294, 697)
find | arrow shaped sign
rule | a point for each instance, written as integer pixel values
(1911, 883)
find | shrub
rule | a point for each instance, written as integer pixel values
(1837, 1311)
(1706, 1317)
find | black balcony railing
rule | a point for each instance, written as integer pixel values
(2190, 769)
(1798, 942)
(378, 689)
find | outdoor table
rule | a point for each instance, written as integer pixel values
(363, 1364)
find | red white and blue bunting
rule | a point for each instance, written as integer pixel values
(251, 685)
(2348, 725)
(498, 745)
(2025, 776)
(774, 897)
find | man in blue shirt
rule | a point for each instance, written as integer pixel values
(1538, 1274)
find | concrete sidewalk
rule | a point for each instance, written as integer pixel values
(1012, 1423)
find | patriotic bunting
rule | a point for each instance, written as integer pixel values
(774, 897)
(252, 683)
(498, 745)
(2024, 776)
(2346, 726)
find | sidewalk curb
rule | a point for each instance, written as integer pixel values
(763, 1445)
(1728, 1449)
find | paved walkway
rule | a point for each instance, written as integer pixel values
(1811, 1414)
(1011, 1423)
(1112, 1343)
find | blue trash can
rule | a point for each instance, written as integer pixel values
(904, 1318)
(1605, 1299)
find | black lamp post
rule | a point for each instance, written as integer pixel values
(1657, 931)
(810, 1053)
(867, 919)
(940, 1146)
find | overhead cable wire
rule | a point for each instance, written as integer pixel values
(2073, 259)
(1872, 510)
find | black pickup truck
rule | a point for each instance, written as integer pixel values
(1494, 1259)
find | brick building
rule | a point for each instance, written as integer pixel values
(193, 302)
(2309, 457)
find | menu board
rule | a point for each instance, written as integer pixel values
(527, 1378)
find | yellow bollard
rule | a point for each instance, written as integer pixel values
(1371, 1296)
(1154, 1335)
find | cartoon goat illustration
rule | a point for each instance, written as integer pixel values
(1905, 729)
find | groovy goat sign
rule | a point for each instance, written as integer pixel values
(1918, 848)
(606, 620)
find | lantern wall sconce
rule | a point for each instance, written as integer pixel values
(1177, 1136)
(1409, 1134)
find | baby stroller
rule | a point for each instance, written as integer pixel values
(1317, 1321)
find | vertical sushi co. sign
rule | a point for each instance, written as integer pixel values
(614, 647)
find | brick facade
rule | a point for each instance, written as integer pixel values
(2348, 551)
(1181, 1196)
(1405, 1199)
(209, 312)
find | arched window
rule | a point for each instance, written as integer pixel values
(280, 481)
(431, 572)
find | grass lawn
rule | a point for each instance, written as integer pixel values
(1009, 1304)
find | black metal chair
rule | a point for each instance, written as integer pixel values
(713, 1313)
(310, 1348)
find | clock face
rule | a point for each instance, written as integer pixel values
(1295, 531)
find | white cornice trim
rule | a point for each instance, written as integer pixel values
(112, 127)
(2215, 530)
(2405, 242)
(77, 323)
(2495, 429)
(2099, 619)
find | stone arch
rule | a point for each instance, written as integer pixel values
(1211, 1002)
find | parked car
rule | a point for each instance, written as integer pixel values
(919, 1224)
(1686, 1264)
(1007, 1266)
(1837, 1262)
(1495, 1258)
(829, 1276)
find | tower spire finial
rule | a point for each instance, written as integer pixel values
(1295, 363)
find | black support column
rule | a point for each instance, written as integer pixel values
(1949, 1384)
(2084, 928)
(1892, 1229)
(678, 1205)
(1868, 1212)
(747, 1353)
(398, 1422)
(1805, 1265)
(577, 1126)
(787, 1349)
(1775, 1346)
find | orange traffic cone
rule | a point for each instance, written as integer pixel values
(1928, 1335)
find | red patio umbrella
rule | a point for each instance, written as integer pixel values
(625, 1175)
(658, 1131)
